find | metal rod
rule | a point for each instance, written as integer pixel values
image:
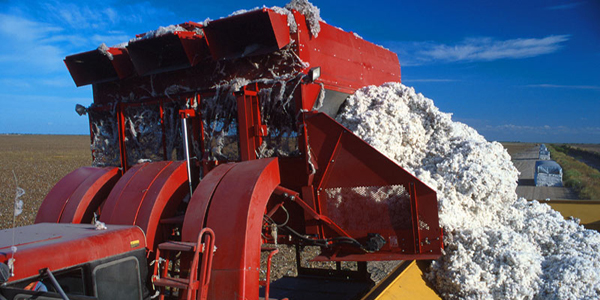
(187, 153)
(56, 285)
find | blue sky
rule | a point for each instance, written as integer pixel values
(513, 70)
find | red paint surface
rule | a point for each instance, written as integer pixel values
(75, 197)
(236, 216)
(58, 246)
(145, 194)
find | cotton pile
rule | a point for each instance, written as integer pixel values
(497, 246)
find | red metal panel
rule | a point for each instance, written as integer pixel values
(281, 30)
(252, 33)
(347, 61)
(95, 66)
(310, 93)
(162, 199)
(125, 188)
(121, 62)
(58, 246)
(345, 161)
(130, 199)
(195, 215)
(145, 194)
(89, 195)
(250, 127)
(236, 216)
(77, 195)
(167, 52)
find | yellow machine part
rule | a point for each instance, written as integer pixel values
(405, 282)
(586, 210)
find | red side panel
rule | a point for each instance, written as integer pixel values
(347, 61)
(167, 52)
(195, 215)
(58, 246)
(364, 192)
(147, 193)
(252, 33)
(75, 197)
(236, 215)
(95, 66)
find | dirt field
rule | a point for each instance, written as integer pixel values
(39, 162)
(588, 147)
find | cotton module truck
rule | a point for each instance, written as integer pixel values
(211, 144)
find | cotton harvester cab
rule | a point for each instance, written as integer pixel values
(228, 127)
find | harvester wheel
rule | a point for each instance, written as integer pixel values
(76, 197)
(147, 193)
(232, 203)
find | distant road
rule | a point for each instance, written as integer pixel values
(524, 156)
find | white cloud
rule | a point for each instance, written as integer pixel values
(100, 15)
(487, 49)
(81, 16)
(541, 129)
(565, 6)
(559, 86)
(23, 47)
(476, 49)
(430, 80)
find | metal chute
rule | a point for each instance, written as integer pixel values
(99, 66)
(168, 52)
(253, 33)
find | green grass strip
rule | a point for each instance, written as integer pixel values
(583, 179)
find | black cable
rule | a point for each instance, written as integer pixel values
(327, 243)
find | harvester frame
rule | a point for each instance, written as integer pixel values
(220, 101)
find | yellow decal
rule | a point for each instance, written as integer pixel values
(134, 244)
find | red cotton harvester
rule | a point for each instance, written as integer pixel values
(217, 139)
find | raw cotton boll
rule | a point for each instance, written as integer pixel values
(451, 157)
(571, 277)
(488, 264)
(497, 246)
(104, 50)
(311, 12)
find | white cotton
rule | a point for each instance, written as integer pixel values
(310, 12)
(100, 225)
(159, 32)
(104, 50)
(497, 246)
(18, 205)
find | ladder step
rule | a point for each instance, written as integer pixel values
(177, 246)
(180, 283)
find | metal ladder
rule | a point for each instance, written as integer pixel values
(192, 285)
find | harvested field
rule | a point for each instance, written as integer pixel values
(587, 147)
(514, 148)
(39, 162)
